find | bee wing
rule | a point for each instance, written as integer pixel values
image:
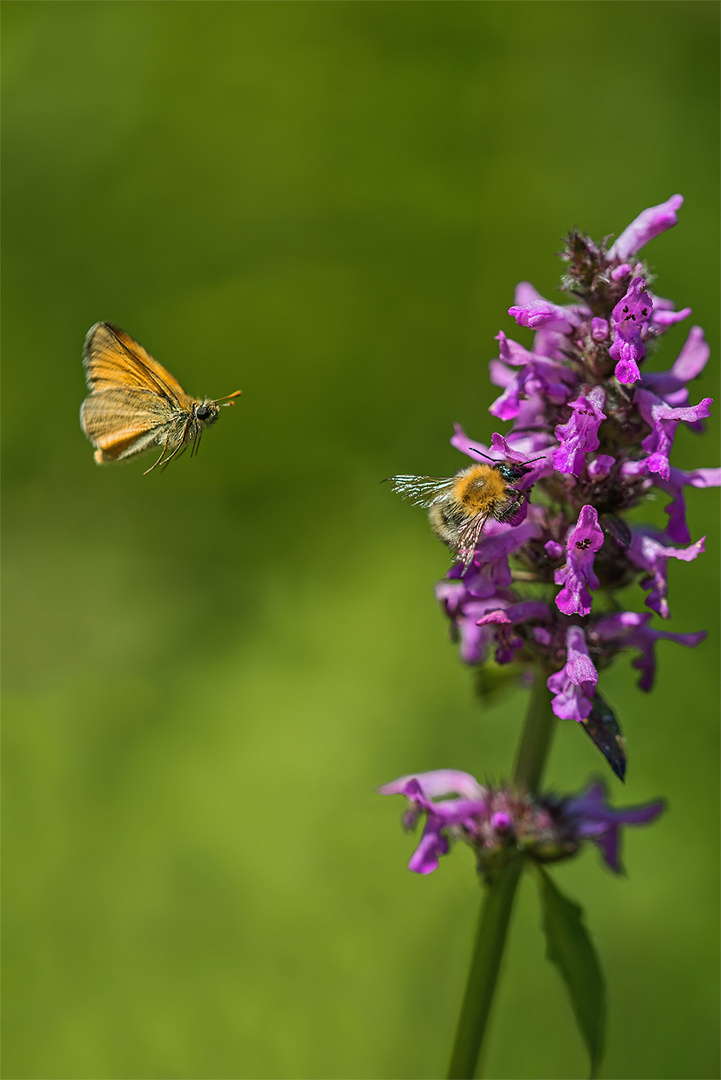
(421, 490)
(113, 360)
(468, 538)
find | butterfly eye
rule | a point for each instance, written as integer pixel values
(202, 412)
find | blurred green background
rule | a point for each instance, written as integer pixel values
(207, 671)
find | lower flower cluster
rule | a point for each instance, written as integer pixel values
(501, 825)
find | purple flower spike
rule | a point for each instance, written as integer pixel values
(580, 435)
(587, 439)
(577, 576)
(630, 317)
(601, 823)
(649, 224)
(574, 685)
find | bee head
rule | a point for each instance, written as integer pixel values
(510, 471)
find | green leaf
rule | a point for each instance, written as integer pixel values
(569, 947)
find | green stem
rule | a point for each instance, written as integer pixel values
(536, 738)
(498, 899)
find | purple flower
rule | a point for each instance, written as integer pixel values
(677, 529)
(490, 570)
(644, 639)
(630, 629)
(574, 685)
(664, 316)
(501, 824)
(577, 575)
(649, 224)
(445, 816)
(600, 467)
(601, 823)
(663, 420)
(539, 312)
(650, 555)
(465, 610)
(599, 329)
(629, 318)
(672, 385)
(504, 619)
(537, 376)
(580, 435)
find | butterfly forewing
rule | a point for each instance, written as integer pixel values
(114, 360)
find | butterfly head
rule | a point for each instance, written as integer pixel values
(206, 412)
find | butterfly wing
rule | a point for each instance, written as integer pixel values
(123, 423)
(421, 490)
(114, 361)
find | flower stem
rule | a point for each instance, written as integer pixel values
(536, 737)
(498, 899)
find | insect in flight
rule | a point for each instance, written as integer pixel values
(460, 505)
(134, 404)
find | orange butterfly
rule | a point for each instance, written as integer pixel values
(135, 404)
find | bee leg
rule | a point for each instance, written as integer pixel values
(514, 506)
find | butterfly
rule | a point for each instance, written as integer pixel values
(134, 404)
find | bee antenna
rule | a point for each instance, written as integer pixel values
(473, 450)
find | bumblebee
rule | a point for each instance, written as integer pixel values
(460, 505)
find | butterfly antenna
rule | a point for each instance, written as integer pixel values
(228, 398)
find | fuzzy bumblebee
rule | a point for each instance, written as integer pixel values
(460, 505)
